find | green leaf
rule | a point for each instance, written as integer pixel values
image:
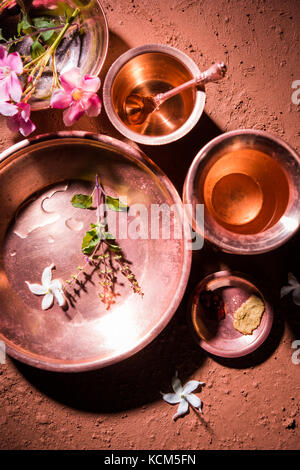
(82, 201)
(114, 248)
(98, 224)
(109, 239)
(1, 36)
(108, 235)
(23, 25)
(115, 204)
(90, 241)
(42, 23)
(36, 49)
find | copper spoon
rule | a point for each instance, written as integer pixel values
(137, 108)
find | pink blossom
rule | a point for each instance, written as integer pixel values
(18, 117)
(11, 4)
(45, 4)
(10, 66)
(78, 95)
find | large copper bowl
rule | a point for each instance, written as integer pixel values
(249, 183)
(39, 226)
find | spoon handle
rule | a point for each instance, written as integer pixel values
(213, 74)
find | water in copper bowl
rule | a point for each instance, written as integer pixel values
(147, 70)
(249, 182)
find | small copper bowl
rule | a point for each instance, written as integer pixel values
(148, 70)
(218, 336)
(249, 183)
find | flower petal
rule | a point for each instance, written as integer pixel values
(56, 287)
(176, 385)
(286, 290)
(182, 409)
(72, 114)
(93, 105)
(4, 90)
(15, 63)
(13, 123)
(24, 109)
(47, 276)
(191, 386)
(8, 109)
(172, 398)
(296, 296)
(15, 87)
(26, 127)
(36, 289)
(71, 79)
(193, 400)
(90, 83)
(47, 301)
(3, 55)
(60, 99)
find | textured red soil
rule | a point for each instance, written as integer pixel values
(250, 403)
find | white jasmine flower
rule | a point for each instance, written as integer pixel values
(183, 396)
(49, 288)
(294, 287)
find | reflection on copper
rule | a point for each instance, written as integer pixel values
(149, 74)
(249, 183)
(52, 168)
(246, 190)
(149, 70)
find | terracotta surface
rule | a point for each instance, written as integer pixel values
(249, 403)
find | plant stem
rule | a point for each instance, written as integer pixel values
(98, 189)
(42, 30)
(55, 44)
(42, 61)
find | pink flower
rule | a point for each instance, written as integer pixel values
(11, 4)
(45, 3)
(78, 95)
(10, 66)
(18, 117)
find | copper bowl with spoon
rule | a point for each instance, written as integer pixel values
(139, 95)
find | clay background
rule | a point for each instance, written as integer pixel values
(251, 403)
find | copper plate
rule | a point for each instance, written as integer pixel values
(39, 226)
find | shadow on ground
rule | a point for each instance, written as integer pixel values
(139, 379)
(129, 384)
